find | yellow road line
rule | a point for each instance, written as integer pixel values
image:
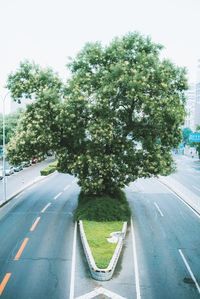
(34, 224)
(17, 257)
(4, 283)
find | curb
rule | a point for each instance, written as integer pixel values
(191, 199)
(97, 273)
(35, 181)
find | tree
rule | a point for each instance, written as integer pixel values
(121, 116)
(38, 130)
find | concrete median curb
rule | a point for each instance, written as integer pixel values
(97, 273)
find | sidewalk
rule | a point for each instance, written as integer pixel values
(188, 196)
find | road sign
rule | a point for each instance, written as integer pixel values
(194, 137)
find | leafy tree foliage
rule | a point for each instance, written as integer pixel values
(38, 129)
(120, 118)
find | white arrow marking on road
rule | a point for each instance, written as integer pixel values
(159, 210)
(101, 291)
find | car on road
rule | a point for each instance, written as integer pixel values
(9, 171)
(26, 163)
(18, 168)
(34, 160)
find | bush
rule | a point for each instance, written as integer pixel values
(49, 169)
(103, 208)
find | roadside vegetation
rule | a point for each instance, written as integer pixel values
(103, 207)
(97, 234)
(49, 169)
(115, 120)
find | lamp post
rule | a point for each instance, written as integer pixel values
(4, 152)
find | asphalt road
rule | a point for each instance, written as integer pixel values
(167, 242)
(36, 234)
(188, 173)
(41, 258)
(19, 179)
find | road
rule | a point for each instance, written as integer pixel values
(166, 230)
(40, 257)
(36, 234)
(20, 179)
(188, 173)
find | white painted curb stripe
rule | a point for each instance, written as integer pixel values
(71, 294)
(159, 210)
(189, 270)
(137, 281)
(46, 207)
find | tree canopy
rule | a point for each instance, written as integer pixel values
(120, 117)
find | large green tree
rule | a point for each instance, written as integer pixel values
(38, 129)
(121, 115)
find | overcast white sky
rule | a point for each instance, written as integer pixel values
(48, 31)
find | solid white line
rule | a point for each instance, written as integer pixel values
(57, 195)
(71, 295)
(189, 270)
(137, 281)
(184, 202)
(198, 189)
(159, 210)
(46, 207)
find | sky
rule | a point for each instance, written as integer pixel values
(49, 31)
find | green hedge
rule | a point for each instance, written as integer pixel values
(49, 169)
(103, 208)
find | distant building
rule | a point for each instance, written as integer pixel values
(197, 105)
(190, 108)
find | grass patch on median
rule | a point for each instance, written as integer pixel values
(96, 234)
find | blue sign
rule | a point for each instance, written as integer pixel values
(194, 137)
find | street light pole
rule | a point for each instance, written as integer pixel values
(4, 152)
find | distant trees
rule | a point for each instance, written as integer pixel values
(115, 120)
(11, 121)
